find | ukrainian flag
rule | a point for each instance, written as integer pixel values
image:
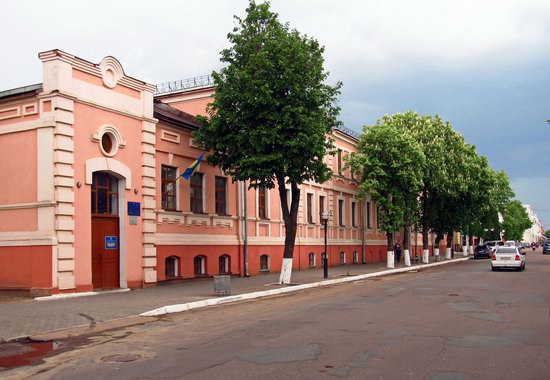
(193, 167)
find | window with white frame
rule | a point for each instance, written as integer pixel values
(196, 189)
(354, 214)
(264, 263)
(355, 257)
(342, 258)
(171, 266)
(341, 215)
(224, 264)
(262, 202)
(309, 205)
(168, 188)
(312, 260)
(199, 264)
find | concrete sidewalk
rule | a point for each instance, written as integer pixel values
(22, 318)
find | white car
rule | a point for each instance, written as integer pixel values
(508, 257)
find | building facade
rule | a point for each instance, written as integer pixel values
(92, 196)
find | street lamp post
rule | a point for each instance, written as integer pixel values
(325, 216)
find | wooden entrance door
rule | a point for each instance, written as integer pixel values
(105, 232)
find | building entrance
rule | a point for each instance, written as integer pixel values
(105, 231)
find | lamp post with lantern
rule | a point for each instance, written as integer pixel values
(325, 216)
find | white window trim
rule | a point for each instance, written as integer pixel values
(354, 223)
(342, 254)
(343, 199)
(313, 214)
(268, 263)
(314, 260)
(267, 203)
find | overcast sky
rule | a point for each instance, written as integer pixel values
(483, 65)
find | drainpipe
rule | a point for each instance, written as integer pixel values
(245, 230)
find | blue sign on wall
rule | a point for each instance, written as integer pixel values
(134, 209)
(111, 242)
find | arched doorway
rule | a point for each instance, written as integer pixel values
(105, 231)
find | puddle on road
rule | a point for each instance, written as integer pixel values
(18, 354)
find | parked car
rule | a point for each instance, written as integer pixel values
(546, 247)
(484, 251)
(510, 243)
(493, 244)
(508, 257)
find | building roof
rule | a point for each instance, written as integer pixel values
(25, 90)
(174, 116)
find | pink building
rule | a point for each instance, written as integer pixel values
(90, 197)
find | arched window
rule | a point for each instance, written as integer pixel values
(264, 263)
(342, 258)
(225, 264)
(199, 263)
(171, 266)
(312, 260)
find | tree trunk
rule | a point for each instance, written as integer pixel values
(390, 254)
(290, 218)
(425, 227)
(449, 250)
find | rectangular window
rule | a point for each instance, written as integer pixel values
(342, 258)
(353, 214)
(369, 223)
(195, 193)
(309, 208)
(321, 207)
(221, 196)
(339, 162)
(341, 212)
(168, 188)
(262, 203)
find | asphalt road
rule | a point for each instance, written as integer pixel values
(460, 321)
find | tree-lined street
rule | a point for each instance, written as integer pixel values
(459, 321)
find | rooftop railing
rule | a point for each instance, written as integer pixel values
(184, 84)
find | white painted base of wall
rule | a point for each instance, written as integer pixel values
(448, 253)
(391, 260)
(407, 256)
(425, 256)
(286, 272)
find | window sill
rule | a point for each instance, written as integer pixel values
(264, 270)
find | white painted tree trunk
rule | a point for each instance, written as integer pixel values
(464, 251)
(448, 253)
(436, 254)
(286, 272)
(425, 256)
(407, 257)
(391, 260)
(471, 250)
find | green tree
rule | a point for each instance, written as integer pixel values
(390, 163)
(547, 234)
(516, 221)
(272, 112)
(439, 174)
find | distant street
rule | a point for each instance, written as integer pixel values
(459, 321)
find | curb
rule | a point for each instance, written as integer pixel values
(75, 295)
(178, 308)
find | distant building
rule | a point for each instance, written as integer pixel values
(536, 233)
